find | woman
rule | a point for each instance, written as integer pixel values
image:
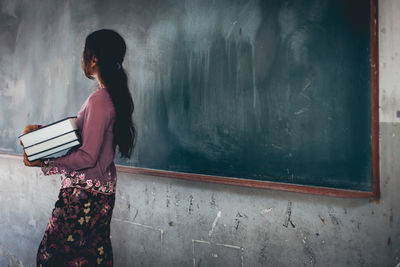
(78, 232)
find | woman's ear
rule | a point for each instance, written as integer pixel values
(93, 61)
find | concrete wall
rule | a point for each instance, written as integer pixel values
(169, 222)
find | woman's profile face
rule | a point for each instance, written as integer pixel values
(89, 64)
(86, 66)
(83, 63)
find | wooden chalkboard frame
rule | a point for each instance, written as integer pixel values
(302, 188)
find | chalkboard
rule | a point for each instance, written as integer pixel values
(276, 91)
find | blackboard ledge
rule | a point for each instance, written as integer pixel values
(323, 191)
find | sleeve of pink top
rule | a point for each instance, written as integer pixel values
(95, 122)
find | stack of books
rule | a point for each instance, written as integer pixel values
(51, 139)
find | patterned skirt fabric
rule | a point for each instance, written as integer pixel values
(78, 232)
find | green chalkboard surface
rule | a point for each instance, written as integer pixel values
(276, 91)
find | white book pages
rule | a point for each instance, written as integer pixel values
(48, 132)
(52, 143)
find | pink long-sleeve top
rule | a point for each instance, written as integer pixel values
(92, 165)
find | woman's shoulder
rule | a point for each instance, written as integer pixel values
(101, 92)
(100, 95)
(101, 98)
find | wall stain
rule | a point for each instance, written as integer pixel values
(146, 192)
(177, 200)
(237, 223)
(190, 204)
(136, 214)
(263, 255)
(212, 202)
(168, 201)
(237, 219)
(13, 261)
(334, 219)
(361, 260)
(307, 248)
(387, 180)
(322, 219)
(288, 216)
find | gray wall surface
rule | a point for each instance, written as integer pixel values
(170, 222)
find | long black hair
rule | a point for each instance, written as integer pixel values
(109, 48)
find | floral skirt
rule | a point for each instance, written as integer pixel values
(78, 232)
